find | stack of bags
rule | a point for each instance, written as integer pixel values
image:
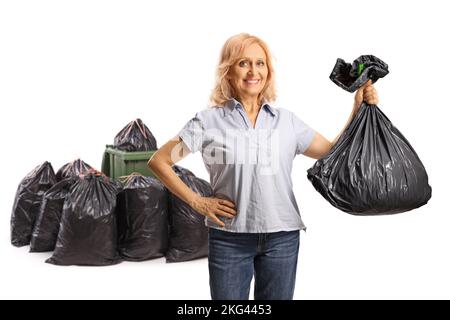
(88, 219)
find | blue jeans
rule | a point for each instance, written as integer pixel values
(235, 257)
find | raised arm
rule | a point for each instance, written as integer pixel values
(320, 146)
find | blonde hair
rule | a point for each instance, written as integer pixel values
(231, 52)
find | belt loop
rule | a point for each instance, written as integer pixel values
(260, 241)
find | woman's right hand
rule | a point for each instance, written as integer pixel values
(213, 207)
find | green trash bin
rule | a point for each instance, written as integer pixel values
(117, 163)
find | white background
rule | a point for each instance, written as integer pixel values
(73, 73)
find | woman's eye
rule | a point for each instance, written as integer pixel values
(243, 63)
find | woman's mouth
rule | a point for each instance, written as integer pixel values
(252, 81)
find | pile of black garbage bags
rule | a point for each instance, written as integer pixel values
(86, 218)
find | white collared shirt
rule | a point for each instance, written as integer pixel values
(251, 166)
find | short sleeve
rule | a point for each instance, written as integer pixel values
(192, 134)
(304, 134)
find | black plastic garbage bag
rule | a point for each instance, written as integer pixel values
(72, 169)
(188, 234)
(88, 229)
(135, 137)
(46, 228)
(180, 171)
(142, 218)
(28, 201)
(353, 76)
(372, 169)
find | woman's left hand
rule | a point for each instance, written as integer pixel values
(366, 93)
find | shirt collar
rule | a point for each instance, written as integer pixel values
(232, 104)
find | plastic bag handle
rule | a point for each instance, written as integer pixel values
(141, 129)
(92, 171)
(126, 179)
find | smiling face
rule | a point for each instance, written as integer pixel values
(248, 75)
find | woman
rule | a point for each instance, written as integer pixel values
(248, 147)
